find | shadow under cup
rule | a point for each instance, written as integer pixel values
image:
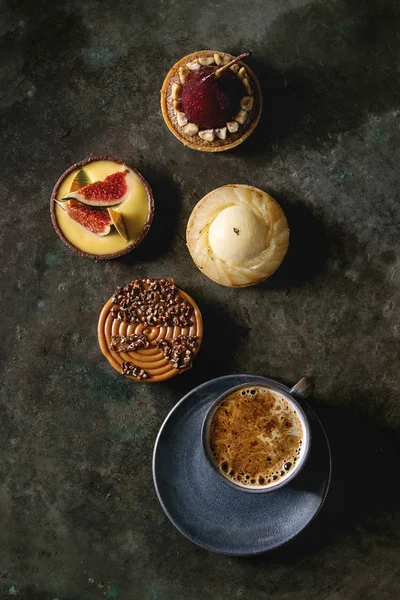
(301, 391)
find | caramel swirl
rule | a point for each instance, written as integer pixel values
(153, 359)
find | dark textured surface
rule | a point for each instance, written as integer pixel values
(79, 517)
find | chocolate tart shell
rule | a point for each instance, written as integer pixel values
(195, 142)
(148, 359)
(131, 246)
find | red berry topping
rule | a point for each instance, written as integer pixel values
(210, 102)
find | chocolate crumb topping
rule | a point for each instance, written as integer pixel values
(179, 351)
(129, 369)
(151, 302)
(128, 343)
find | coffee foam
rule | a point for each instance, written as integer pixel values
(255, 437)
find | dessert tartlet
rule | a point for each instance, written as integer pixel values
(101, 207)
(150, 330)
(208, 113)
(237, 235)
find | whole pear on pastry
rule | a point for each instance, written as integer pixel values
(237, 235)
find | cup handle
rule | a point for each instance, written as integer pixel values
(302, 389)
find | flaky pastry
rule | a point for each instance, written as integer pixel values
(237, 235)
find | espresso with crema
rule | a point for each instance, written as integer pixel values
(256, 437)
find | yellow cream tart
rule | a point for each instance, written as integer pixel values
(101, 207)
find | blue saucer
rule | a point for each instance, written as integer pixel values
(214, 515)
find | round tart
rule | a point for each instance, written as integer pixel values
(101, 207)
(207, 113)
(237, 235)
(150, 330)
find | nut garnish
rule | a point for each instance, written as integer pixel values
(179, 351)
(232, 126)
(176, 91)
(221, 133)
(241, 117)
(181, 118)
(246, 103)
(128, 343)
(177, 105)
(151, 302)
(193, 65)
(131, 370)
(235, 68)
(207, 134)
(218, 59)
(226, 59)
(183, 73)
(206, 60)
(246, 83)
(190, 129)
(242, 73)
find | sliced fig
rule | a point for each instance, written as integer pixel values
(96, 220)
(118, 222)
(113, 190)
(80, 180)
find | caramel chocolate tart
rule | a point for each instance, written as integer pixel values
(207, 113)
(237, 235)
(101, 207)
(150, 330)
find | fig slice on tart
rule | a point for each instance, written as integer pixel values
(113, 190)
(96, 220)
(101, 207)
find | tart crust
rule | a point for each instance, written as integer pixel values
(195, 142)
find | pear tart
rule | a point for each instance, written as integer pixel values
(237, 235)
(207, 113)
(150, 330)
